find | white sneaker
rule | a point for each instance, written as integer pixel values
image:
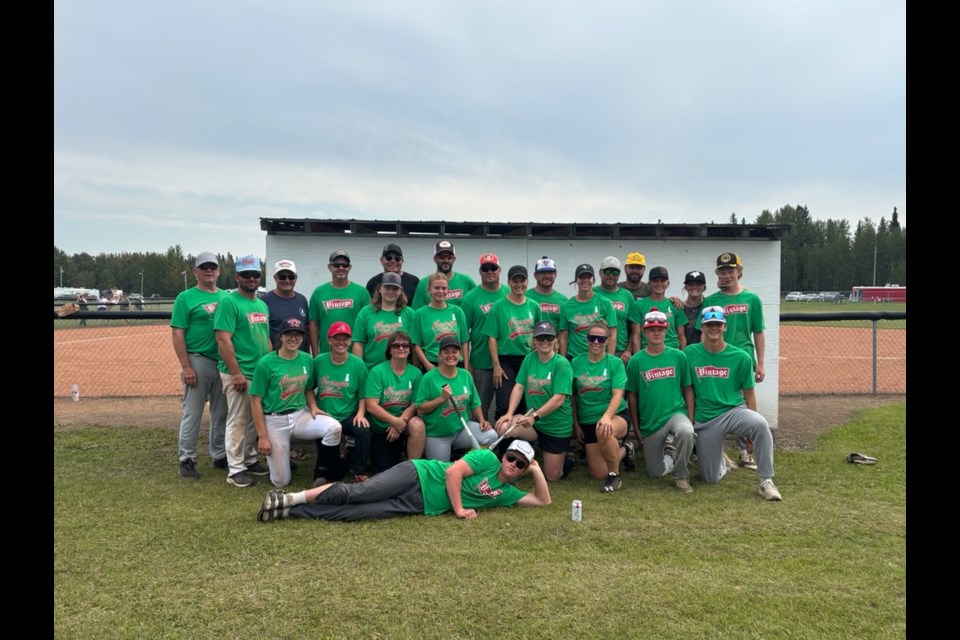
(769, 491)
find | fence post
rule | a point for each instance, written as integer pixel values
(874, 323)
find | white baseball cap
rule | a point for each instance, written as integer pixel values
(285, 265)
(523, 447)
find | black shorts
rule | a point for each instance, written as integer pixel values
(552, 444)
(590, 430)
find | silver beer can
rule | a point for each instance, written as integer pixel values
(577, 511)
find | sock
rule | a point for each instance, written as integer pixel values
(292, 499)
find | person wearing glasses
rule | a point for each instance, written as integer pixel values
(391, 260)
(387, 313)
(544, 382)
(336, 301)
(621, 300)
(195, 345)
(284, 302)
(242, 328)
(389, 394)
(458, 284)
(476, 307)
(476, 481)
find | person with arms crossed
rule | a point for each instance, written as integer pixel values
(336, 301)
(392, 261)
(283, 302)
(458, 284)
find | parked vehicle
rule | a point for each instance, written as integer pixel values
(833, 296)
(794, 296)
(810, 297)
(887, 293)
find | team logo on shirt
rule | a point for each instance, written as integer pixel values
(395, 397)
(549, 307)
(658, 374)
(454, 293)
(736, 308)
(460, 401)
(520, 327)
(443, 328)
(584, 320)
(338, 304)
(486, 308)
(210, 307)
(291, 385)
(327, 388)
(712, 372)
(484, 489)
(257, 318)
(384, 329)
(587, 384)
(617, 305)
(537, 386)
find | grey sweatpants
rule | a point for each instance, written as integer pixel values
(738, 421)
(657, 463)
(395, 492)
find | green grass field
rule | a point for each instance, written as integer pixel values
(139, 553)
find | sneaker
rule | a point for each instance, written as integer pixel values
(683, 485)
(630, 459)
(731, 465)
(568, 465)
(258, 469)
(612, 483)
(188, 469)
(747, 461)
(273, 506)
(319, 481)
(221, 463)
(769, 491)
(241, 479)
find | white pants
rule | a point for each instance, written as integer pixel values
(440, 448)
(240, 440)
(302, 426)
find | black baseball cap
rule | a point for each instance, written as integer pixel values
(392, 248)
(695, 276)
(517, 270)
(583, 269)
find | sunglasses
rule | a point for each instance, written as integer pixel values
(518, 462)
(611, 272)
(208, 266)
(249, 275)
(340, 265)
(487, 268)
(543, 338)
(399, 345)
(393, 258)
(600, 339)
(284, 276)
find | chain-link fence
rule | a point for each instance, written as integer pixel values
(130, 354)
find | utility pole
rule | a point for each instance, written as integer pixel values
(874, 264)
(141, 281)
(61, 276)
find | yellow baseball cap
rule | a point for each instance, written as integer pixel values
(636, 258)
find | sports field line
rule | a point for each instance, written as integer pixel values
(114, 337)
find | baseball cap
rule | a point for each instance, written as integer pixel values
(695, 276)
(489, 258)
(544, 329)
(292, 324)
(713, 314)
(284, 265)
(391, 279)
(516, 270)
(655, 318)
(636, 258)
(444, 245)
(582, 269)
(449, 341)
(522, 447)
(609, 263)
(337, 328)
(339, 253)
(206, 257)
(728, 260)
(658, 272)
(247, 263)
(545, 264)
(391, 248)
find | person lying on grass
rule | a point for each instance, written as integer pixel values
(430, 487)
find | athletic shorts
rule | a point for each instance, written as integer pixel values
(590, 430)
(552, 444)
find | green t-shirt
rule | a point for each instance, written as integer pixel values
(282, 383)
(193, 311)
(622, 301)
(372, 327)
(458, 287)
(718, 379)
(594, 384)
(549, 306)
(443, 420)
(676, 319)
(339, 386)
(249, 323)
(431, 324)
(394, 392)
(512, 326)
(481, 490)
(476, 307)
(658, 382)
(576, 318)
(744, 315)
(541, 381)
(329, 304)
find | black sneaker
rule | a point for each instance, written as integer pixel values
(188, 469)
(221, 463)
(612, 483)
(568, 465)
(258, 469)
(241, 479)
(629, 460)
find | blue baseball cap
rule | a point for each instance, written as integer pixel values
(713, 314)
(248, 263)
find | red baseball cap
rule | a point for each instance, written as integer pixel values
(489, 258)
(339, 327)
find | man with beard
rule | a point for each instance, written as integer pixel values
(336, 301)
(392, 261)
(458, 284)
(550, 301)
(635, 266)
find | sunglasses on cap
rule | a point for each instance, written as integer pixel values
(518, 461)
(593, 338)
(249, 275)
(286, 276)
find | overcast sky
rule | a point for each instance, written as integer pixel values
(186, 122)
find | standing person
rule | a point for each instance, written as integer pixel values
(726, 403)
(283, 302)
(694, 284)
(582, 310)
(387, 313)
(660, 397)
(476, 307)
(242, 327)
(442, 386)
(341, 377)
(124, 303)
(391, 259)
(621, 300)
(336, 301)
(510, 330)
(102, 302)
(195, 345)
(436, 321)
(676, 336)
(545, 273)
(545, 382)
(458, 284)
(284, 406)
(431, 487)
(635, 266)
(82, 302)
(389, 394)
(600, 417)
(745, 325)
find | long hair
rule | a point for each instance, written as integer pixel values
(377, 301)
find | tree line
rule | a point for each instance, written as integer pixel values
(817, 255)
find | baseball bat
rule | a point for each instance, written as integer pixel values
(513, 424)
(473, 440)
